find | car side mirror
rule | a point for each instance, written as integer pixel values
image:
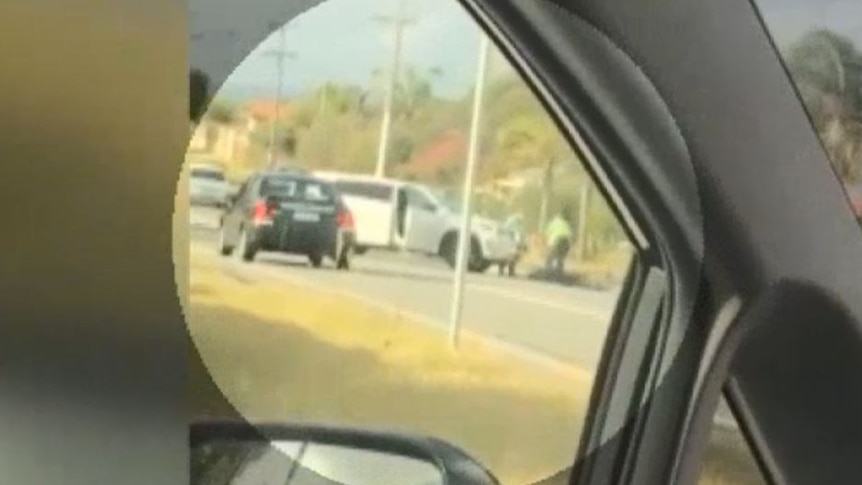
(232, 452)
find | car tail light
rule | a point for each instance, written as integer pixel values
(345, 219)
(263, 211)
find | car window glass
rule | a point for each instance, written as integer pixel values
(503, 371)
(278, 187)
(415, 198)
(729, 459)
(821, 46)
(316, 192)
(205, 174)
(295, 189)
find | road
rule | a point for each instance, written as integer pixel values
(548, 321)
(541, 321)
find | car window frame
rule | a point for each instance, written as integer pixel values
(662, 446)
(627, 450)
(648, 272)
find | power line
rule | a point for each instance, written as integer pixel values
(399, 22)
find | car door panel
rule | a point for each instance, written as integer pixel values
(422, 222)
(421, 225)
(373, 220)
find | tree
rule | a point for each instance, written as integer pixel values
(827, 69)
(220, 112)
(199, 93)
(414, 91)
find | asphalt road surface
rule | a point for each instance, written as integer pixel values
(543, 319)
(539, 320)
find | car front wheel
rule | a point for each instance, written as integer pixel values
(475, 262)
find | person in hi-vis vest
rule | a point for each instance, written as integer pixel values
(558, 236)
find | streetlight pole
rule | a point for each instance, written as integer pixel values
(280, 55)
(464, 236)
(386, 124)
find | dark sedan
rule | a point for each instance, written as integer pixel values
(291, 213)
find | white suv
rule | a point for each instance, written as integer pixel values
(396, 214)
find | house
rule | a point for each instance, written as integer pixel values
(228, 141)
(257, 112)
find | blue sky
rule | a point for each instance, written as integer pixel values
(341, 41)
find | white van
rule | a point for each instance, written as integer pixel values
(207, 185)
(395, 214)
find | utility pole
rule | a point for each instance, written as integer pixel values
(464, 236)
(399, 22)
(280, 54)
